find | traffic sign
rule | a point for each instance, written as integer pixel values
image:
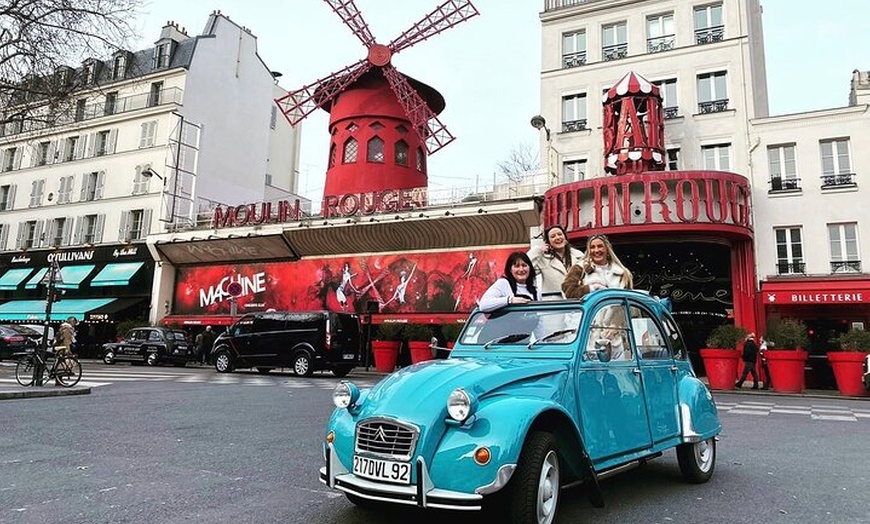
(234, 289)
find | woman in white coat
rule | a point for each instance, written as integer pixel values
(599, 269)
(552, 262)
(516, 286)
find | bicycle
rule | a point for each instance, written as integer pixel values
(64, 369)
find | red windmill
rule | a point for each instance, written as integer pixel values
(382, 123)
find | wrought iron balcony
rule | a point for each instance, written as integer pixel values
(784, 184)
(713, 106)
(846, 266)
(788, 268)
(574, 59)
(554, 5)
(672, 112)
(614, 52)
(708, 35)
(573, 125)
(839, 180)
(661, 43)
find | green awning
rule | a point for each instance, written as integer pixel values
(116, 274)
(13, 278)
(34, 280)
(35, 309)
(73, 275)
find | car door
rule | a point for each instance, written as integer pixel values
(612, 411)
(132, 343)
(272, 344)
(244, 339)
(658, 372)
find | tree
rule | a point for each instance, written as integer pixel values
(40, 39)
(521, 160)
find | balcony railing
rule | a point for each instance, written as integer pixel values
(573, 125)
(672, 112)
(788, 268)
(846, 266)
(574, 59)
(713, 106)
(708, 35)
(553, 5)
(784, 184)
(839, 180)
(661, 43)
(81, 113)
(614, 52)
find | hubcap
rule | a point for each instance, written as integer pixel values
(301, 366)
(109, 358)
(704, 455)
(223, 362)
(548, 488)
(152, 359)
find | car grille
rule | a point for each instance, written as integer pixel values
(386, 437)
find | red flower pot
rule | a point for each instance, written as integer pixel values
(786, 369)
(420, 351)
(721, 366)
(386, 353)
(849, 370)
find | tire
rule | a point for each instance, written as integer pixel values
(534, 488)
(302, 364)
(24, 371)
(264, 371)
(341, 372)
(697, 461)
(109, 358)
(69, 372)
(223, 362)
(153, 359)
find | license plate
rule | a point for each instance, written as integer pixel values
(350, 356)
(385, 470)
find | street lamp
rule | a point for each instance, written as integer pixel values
(148, 173)
(540, 123)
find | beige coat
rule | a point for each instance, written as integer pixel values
(550, 271)
(579, 279)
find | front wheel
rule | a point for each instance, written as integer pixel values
(24, 371)
(223, 362)
(302, 364)
(152, 359)
(109, 358)
(534, 488)
(69, 372)
(697, 460)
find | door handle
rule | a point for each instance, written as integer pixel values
(674, 369)
(636, 371)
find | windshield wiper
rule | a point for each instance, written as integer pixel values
(513, 337)
(554, 334)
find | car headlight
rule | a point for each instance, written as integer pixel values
(459, 405)
(345, 394)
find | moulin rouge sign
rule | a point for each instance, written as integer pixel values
(352, 204)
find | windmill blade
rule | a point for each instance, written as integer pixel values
(445, 16)
(300, 103)
(350, 15)
(423, 119)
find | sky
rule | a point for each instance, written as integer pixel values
(488, 67)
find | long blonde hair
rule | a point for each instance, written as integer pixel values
(627, 278)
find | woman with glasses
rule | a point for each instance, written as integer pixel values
(599, 269)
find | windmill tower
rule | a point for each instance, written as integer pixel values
(382, 124)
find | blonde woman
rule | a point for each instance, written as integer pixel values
(552, 261)
(599, 269)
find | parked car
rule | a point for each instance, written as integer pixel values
(532, 398)
(150, 345)
(15, 338)
(39, 330)
(867, 372)
(304, 341)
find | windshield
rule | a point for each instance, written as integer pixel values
(525, 328)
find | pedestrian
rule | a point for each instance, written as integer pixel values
(198, 347)
(552, 262)
(750, 357)
(66, 337)
(763, 346)
(600, 268)
(208, 338)
(515, 286)
(73, 345)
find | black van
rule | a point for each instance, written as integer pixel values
(305, 341)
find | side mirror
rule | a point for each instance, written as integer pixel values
(603, 349)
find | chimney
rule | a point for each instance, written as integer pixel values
(171, 32)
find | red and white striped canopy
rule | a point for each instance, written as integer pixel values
(633, 84)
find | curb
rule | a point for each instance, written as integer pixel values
(40, 392)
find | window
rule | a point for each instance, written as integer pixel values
(668, 90)
(712, 92)
(135, 224)
(71, 151)
(102, 144)
(332, 150)
(421, 160)
(28, 235)
(673, 159)
(782, 168)
(149, 131)
(161, 55)
(401, 153)
(7, 197)
(4, 236)
(350, 151)
(119, 67)
(716, 157)
(573, 171)
(37, 189)
(111, 103)
(140, 182)
(615, 39)
(9, 158)
(375, 150)
(660, 33)
(789, 250)
(80, 109)
(154, 94)
(57, 232)
(268, 179)
(64, 192)
(648, 338)
(708, 24)
(92, 187)
(574, 112)
(836, 165)
(844, 248)
(273, 117)
(574, 49)
(89, 229)
(90, 73)
(42, 153)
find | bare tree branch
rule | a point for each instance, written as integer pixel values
(521, 160)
